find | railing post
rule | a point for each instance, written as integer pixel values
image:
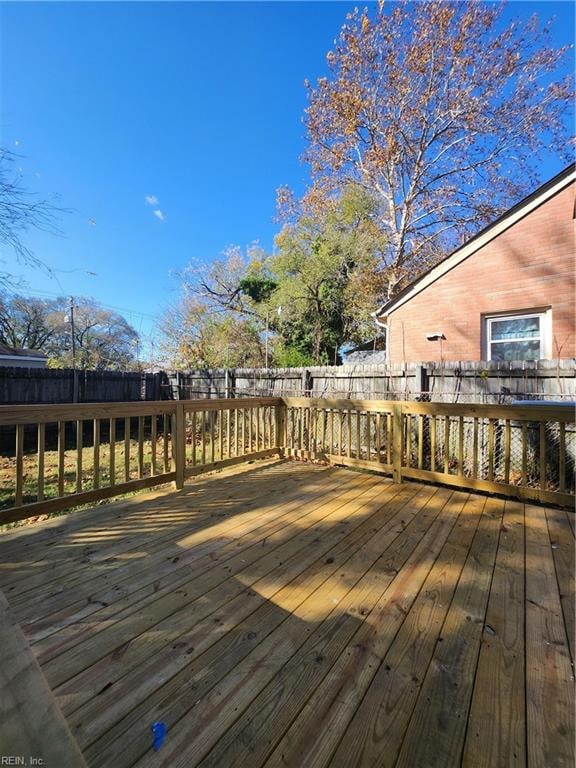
(397, 442)
(281, 428)
(179, 445)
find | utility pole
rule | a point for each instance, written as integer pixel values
(73, 334)
(267, 330)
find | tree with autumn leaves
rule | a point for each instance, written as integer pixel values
(443, 113)
(431, 122)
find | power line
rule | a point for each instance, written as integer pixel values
(51, 294)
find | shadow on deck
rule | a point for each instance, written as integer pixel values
(295, 614)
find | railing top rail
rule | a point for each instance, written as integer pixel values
(221, 403)
(513, 412)
(43, 414)
(320, 402)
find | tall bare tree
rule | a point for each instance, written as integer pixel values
(103, 339)
(20, 212)
(27, 322)
(441, 110)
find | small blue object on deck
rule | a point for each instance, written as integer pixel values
(158, 734)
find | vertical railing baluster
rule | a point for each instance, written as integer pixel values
(61, 455)
(397, 438)
(19, 494)
(228, 433)
(433, 447)
(203, 433)
(420, 441)
(221, 435)
(461, 445)
(349, 435)
(165, 451)
(236, 432)
(332, 448)
(179, 445)
(153, 438)
(271, 437)
(491, 449)
(140, 446)
(446, 445)
(112, 457)
(524, 452)
(127, 428)
(41, 449)
(475, 449)
(96, 451)
(507, 440)
(79, 449)
(562, 459)
(368, 436)
(542, 456)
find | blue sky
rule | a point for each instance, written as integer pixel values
(198, 105)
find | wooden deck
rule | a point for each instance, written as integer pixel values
(293, 614)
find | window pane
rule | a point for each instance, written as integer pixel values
(515, 350)
(519, 328)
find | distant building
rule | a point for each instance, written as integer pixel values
(373, 351)
(508, 294)
(21, 358)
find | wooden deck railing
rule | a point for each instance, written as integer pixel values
(525, 452)
(69, 455)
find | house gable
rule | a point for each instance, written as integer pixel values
(522, 266)
(507, 220)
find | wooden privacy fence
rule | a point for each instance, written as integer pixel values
(106, 450)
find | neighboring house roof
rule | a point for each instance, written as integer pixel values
(21, 354)
(510, 217)
(372, 351)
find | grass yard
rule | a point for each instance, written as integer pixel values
(196, 453)
(87, 473)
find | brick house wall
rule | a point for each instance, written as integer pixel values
(529, 266)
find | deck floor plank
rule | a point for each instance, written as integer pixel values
(152, 530)
(31, 541)
(375, 734)
(181, 627)
(279, 625)
(496, 730)
(253, 735)
(437, 728)
(106, 598)
(180, 567)
(549, 673)
(289, 614)
(264, 559)
(571, 517)
(334, 702)
(564, 555)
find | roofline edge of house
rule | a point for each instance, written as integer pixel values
(553, 186)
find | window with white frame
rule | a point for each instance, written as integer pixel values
(521, 336)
